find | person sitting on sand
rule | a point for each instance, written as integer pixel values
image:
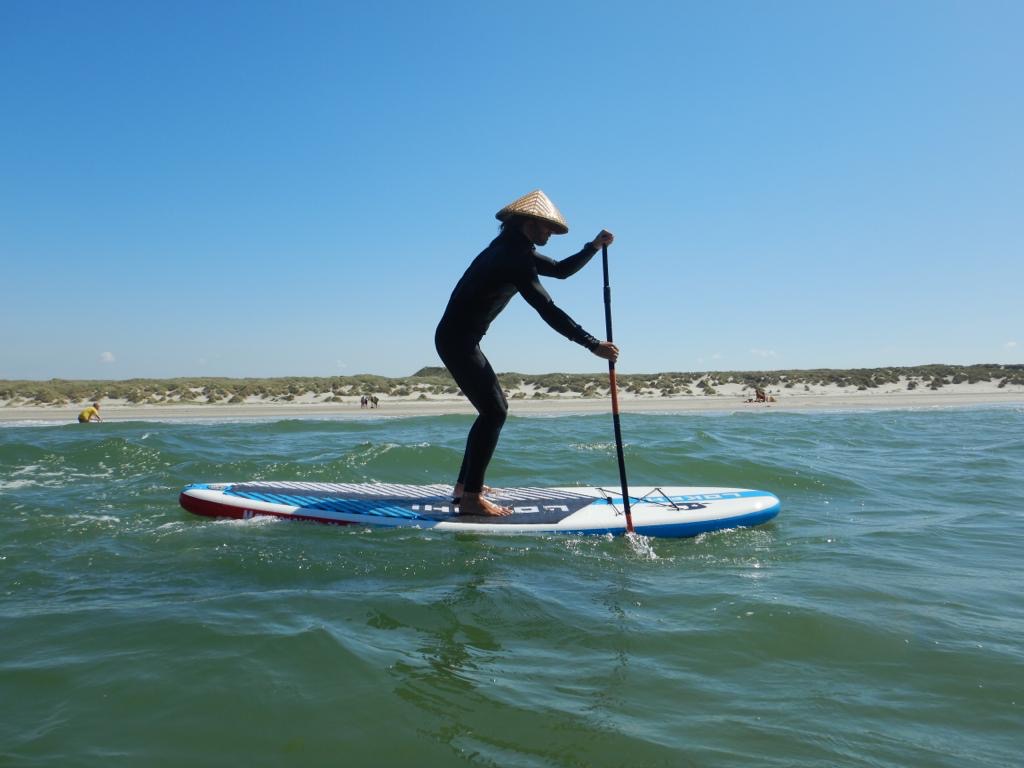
(509, 265)
(92, 413)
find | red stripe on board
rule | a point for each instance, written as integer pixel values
(213, 509)
(209, 508)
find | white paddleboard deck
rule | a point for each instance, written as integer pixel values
(656, 511)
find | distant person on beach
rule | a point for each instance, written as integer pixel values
(92, 413)
(364, 401)
(759, 396)
(509, 265)
(374, 402)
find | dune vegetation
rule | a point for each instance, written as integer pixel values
(435, 382)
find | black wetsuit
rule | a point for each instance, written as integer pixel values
(509, 265)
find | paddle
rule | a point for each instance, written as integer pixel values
(615, 392)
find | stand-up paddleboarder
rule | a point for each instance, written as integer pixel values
(509, 265)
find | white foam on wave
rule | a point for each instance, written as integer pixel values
(33, 423)
(257, 520)
(641, 545)
(33, 476)
(96, 518)
(596, 447)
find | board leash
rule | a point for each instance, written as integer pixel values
(615, 393)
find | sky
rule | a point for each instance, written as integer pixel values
(294, 188)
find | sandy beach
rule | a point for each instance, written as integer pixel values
(727, 399)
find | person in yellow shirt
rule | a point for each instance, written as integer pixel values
(92, 413)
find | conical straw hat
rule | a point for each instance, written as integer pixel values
(538, 205)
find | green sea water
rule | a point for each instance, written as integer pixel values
(877, 621)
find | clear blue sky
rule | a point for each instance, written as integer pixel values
(262, 189)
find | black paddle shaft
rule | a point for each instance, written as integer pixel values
(615, 392)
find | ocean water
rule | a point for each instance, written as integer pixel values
(877, 621)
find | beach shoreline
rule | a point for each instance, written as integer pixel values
(825, 399)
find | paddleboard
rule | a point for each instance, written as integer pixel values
(665, 512)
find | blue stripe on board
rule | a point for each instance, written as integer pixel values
(686, 498)
(367, 508)
(688, 530)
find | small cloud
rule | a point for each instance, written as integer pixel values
(1010, 345)
(763, 352)
(107, 357)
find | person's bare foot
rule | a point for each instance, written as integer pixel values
(476, 504)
